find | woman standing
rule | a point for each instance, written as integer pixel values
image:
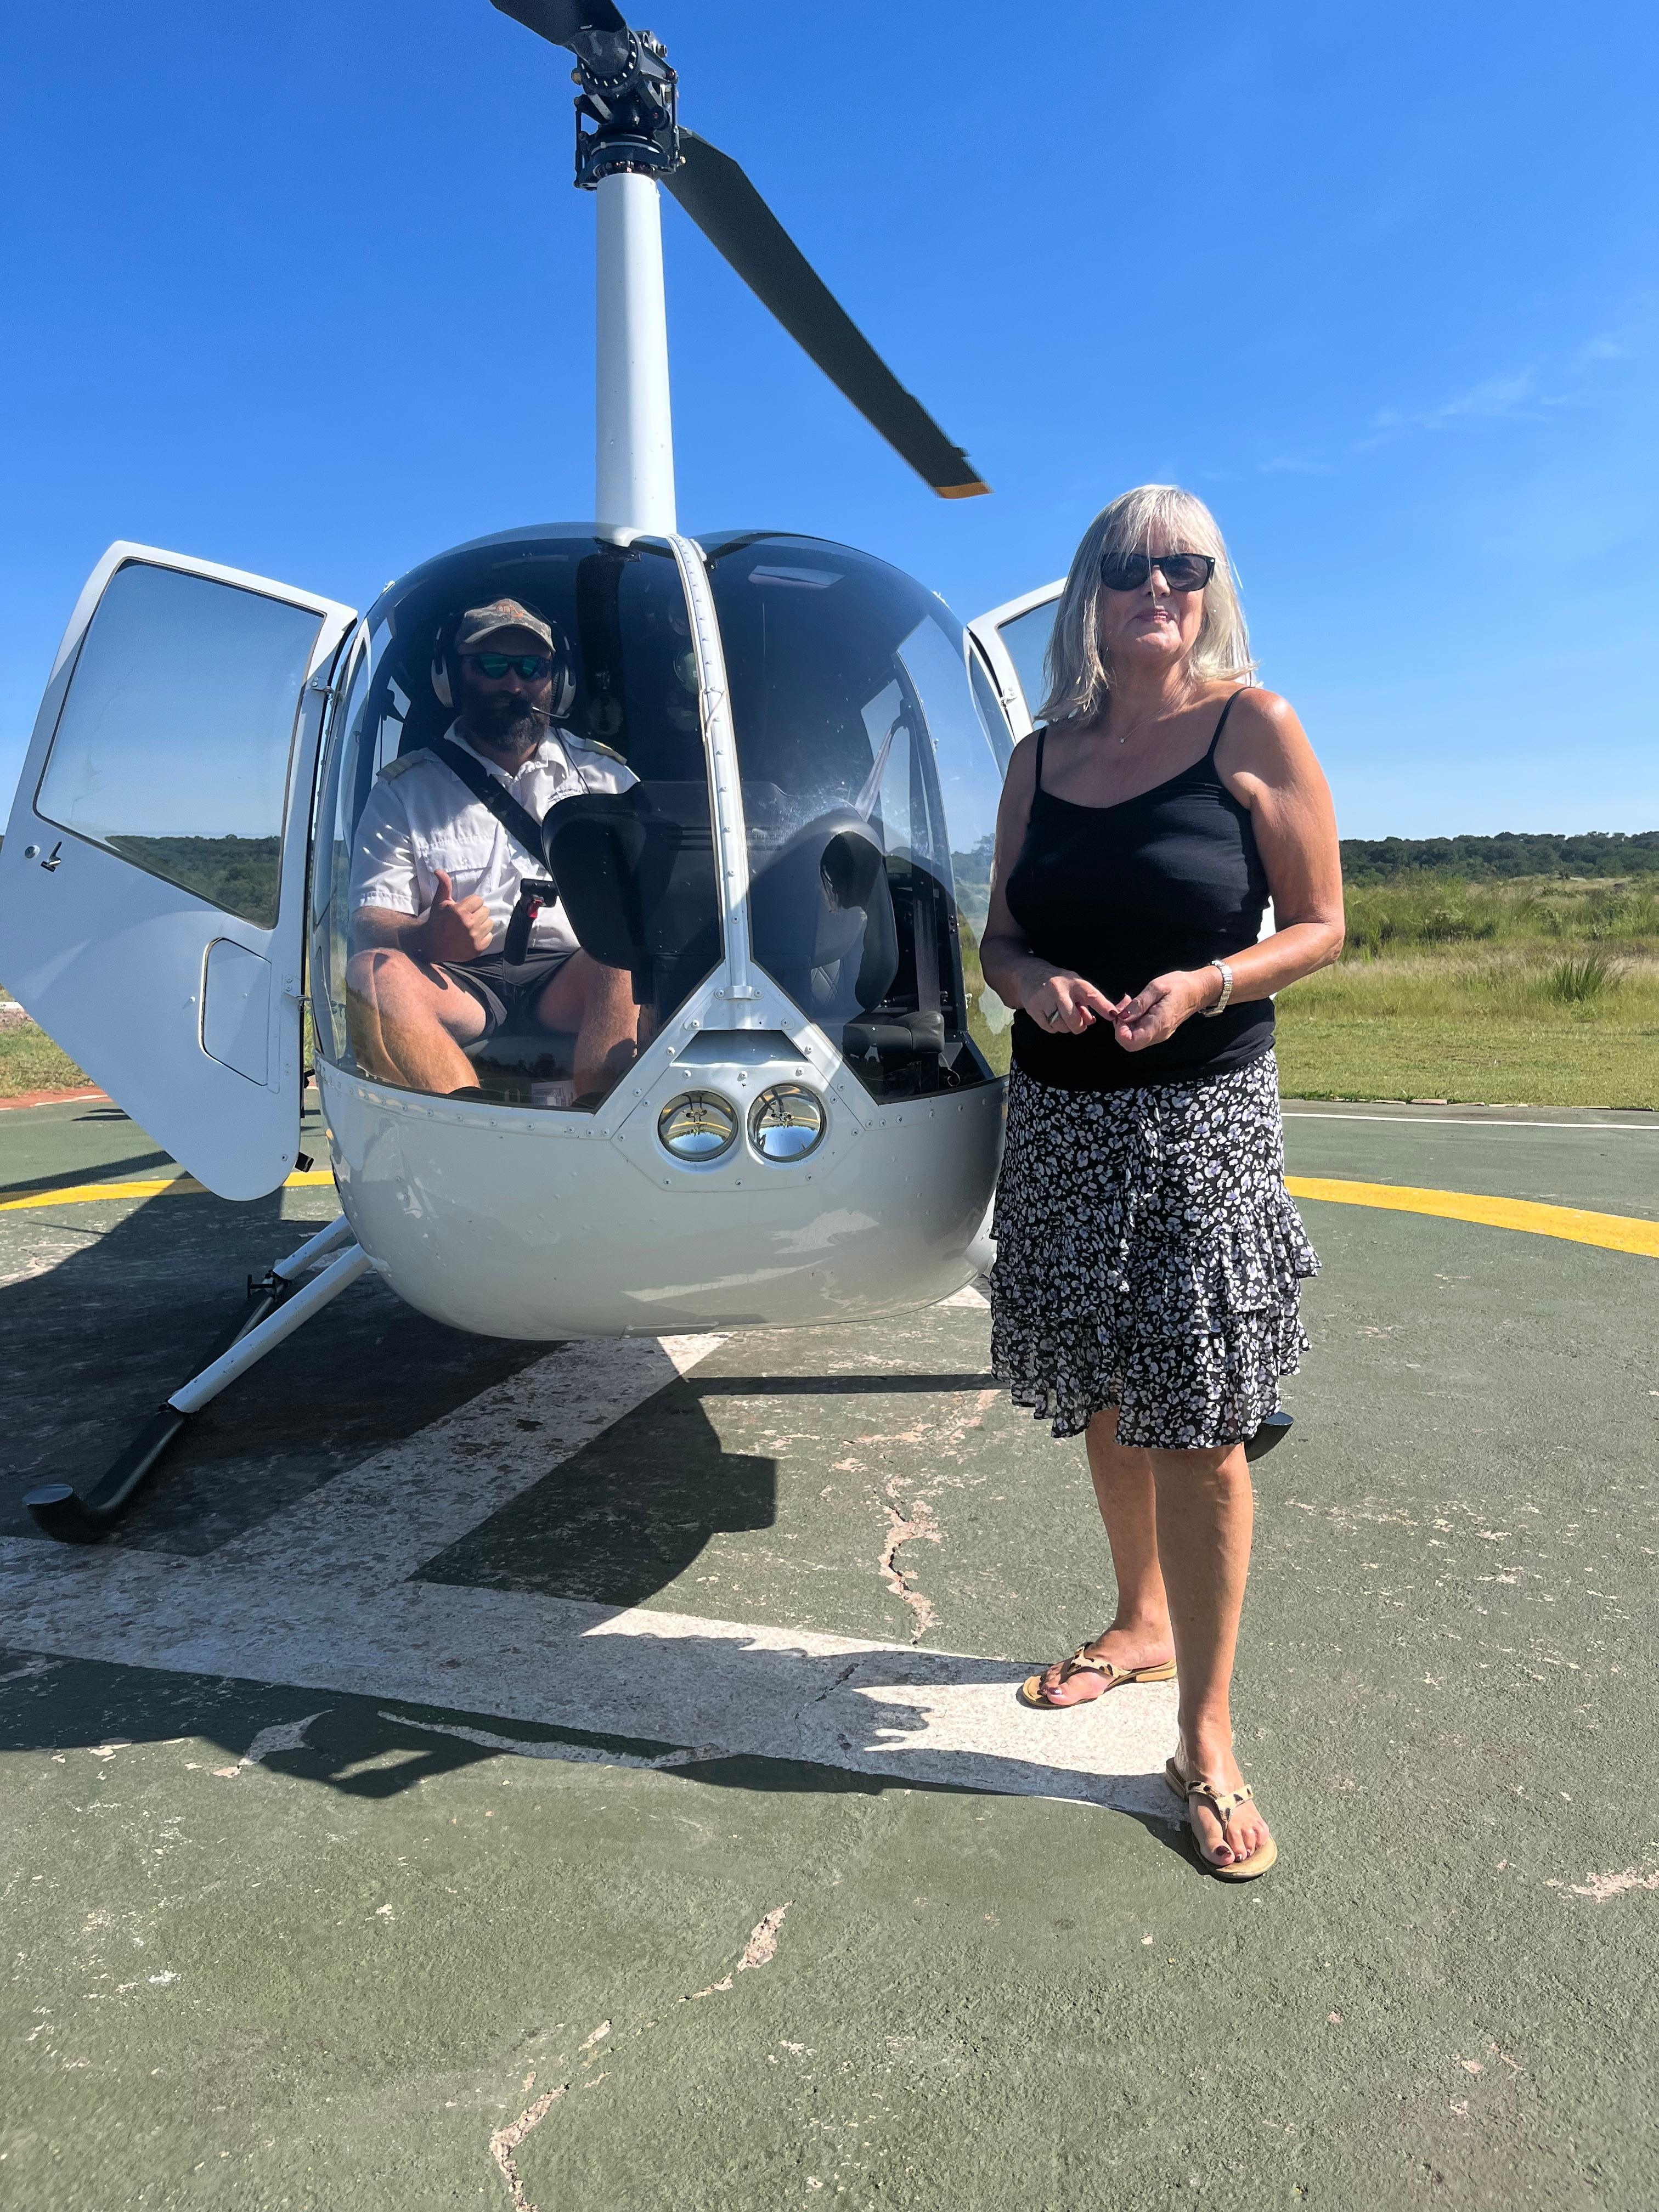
(1149, 1262)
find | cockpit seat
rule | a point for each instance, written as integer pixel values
(823, 910)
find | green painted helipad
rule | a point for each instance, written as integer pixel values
(595, 1774)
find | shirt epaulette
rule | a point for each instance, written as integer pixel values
(404, 763)
(593, 746)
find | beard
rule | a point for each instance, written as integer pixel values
(504, 721)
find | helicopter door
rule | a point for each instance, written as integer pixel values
(152, 881)
(1014, 638)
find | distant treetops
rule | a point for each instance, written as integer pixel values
(1510, 853)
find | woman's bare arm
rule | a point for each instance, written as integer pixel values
(1266, 762)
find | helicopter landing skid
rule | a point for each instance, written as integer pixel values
(275, 1307)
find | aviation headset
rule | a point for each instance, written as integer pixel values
(564, 677)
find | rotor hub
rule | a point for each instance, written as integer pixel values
(627, 106)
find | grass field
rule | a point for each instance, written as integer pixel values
(1541, 992)
(29, 1060)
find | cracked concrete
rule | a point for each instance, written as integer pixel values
(913, 1519)
(505, 2141)
(919, 1526)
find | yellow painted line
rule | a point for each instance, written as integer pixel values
(1614, 1232)
(90, 1193)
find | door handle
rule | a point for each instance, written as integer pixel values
(53, 857)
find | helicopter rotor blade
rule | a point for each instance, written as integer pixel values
(561, 22)
(737, 221)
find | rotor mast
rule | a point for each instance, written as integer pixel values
(633, 428)
(628, 97)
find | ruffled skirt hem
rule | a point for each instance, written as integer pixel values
(1149, 1258)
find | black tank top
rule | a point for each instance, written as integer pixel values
(1170, 878)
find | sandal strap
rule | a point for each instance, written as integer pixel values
(1083, 1661)
(1221, 1801)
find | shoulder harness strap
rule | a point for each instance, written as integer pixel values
(520, 823)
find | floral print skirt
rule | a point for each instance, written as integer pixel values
(1148, 1257)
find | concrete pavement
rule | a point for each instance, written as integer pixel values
(595, 1774)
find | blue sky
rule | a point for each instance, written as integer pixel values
(307, 290)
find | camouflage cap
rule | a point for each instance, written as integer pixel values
(479, 623)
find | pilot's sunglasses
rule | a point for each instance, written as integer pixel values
(533, 666)
(1181, 572)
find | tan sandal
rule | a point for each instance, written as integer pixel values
(1220, 1802)
(1083, 1661)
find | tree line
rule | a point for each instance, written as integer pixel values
(1597, 853)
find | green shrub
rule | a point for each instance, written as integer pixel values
(1580, 978)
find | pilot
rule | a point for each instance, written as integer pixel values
(436, 874)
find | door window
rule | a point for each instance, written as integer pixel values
(1025, 639)
(173, 747)
(869, 788)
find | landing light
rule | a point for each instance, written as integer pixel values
(785, 1122)
(699, 1126)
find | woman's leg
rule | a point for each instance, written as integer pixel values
(1139, 1633)
(1205, 1513)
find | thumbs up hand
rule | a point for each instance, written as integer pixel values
(453, 928)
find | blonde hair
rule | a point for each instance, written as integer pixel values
(1151, 519)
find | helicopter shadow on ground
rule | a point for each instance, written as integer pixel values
(109, 1310)
(377, 1748)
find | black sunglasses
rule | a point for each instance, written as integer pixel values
(533, 666)
(1181, 572)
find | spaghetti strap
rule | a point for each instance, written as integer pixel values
(1222, 724)
(1043, 732)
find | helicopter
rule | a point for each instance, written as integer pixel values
(789, 865)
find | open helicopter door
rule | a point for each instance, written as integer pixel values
(153, 878)
(1014, 639)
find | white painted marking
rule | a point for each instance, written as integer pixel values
(284, 1735)
(537, 1747)
(731, 1688)
(1467, 1121)
(969, 1294)
(382, 1521)
(322, 1597)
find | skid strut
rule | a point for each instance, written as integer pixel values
(275, 1307)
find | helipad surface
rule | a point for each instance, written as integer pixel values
(595, 1774)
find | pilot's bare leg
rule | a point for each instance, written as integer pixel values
(408, 1023)
(597, 1003)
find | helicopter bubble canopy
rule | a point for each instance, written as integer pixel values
(870, 752)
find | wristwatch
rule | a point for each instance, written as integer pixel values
(1220, 1005)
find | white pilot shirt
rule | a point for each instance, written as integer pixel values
(420, 817)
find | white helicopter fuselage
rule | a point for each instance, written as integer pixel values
(513, 1214)
(527, 1226)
